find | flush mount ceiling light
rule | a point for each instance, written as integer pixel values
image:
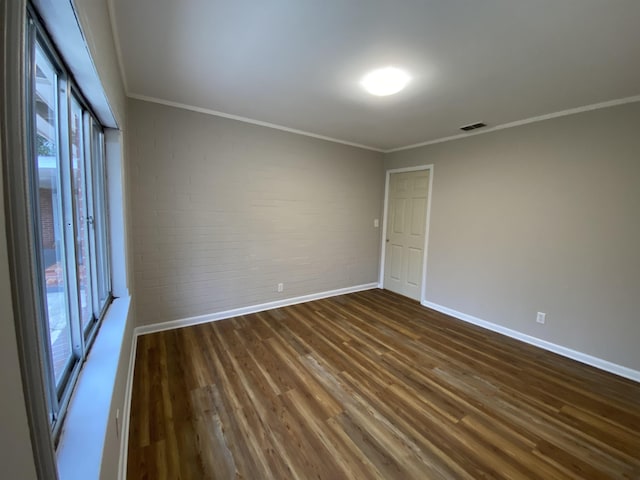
(385, 81)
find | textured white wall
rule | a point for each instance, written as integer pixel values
(223, 211)
(542, 217)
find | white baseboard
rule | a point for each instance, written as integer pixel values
(552, 347)
(126, 411)
(146, 329)
(213, 317)
(185, 322)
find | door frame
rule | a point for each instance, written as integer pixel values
(383, 246)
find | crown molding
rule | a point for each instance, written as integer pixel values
(526, 121)
(251, 121)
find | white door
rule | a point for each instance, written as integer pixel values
(406, 226)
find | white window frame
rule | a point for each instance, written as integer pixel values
(58, 394)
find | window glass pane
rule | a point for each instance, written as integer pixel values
(101, 218)
(80, 214)
(49, 198)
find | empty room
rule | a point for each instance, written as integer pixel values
(320, 240)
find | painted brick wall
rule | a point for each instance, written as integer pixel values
(223, 211)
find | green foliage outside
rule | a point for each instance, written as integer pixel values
(45, 147)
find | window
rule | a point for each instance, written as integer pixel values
(69, 208)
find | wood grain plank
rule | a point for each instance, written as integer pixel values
(372, 385)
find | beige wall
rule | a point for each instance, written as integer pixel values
(223, 211)
(543, 217)
(16, 452)
(16, 456)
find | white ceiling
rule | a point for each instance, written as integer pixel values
(298, 63)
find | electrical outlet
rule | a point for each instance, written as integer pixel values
(280, 287)
(376, 223)
(541, 317)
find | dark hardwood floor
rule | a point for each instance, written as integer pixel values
(372, 385)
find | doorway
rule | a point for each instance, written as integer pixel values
(405, 231)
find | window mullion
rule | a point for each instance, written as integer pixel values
(102, 225)
(91, 209)
(68, 216)
(91, 212)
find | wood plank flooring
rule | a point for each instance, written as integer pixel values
(372, 385)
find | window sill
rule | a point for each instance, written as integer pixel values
(84, 431)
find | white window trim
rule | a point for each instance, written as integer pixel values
(97, 402)
(84, 434)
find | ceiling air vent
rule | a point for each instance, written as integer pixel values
(473, 126)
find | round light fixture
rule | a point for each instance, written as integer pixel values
(385, 81)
